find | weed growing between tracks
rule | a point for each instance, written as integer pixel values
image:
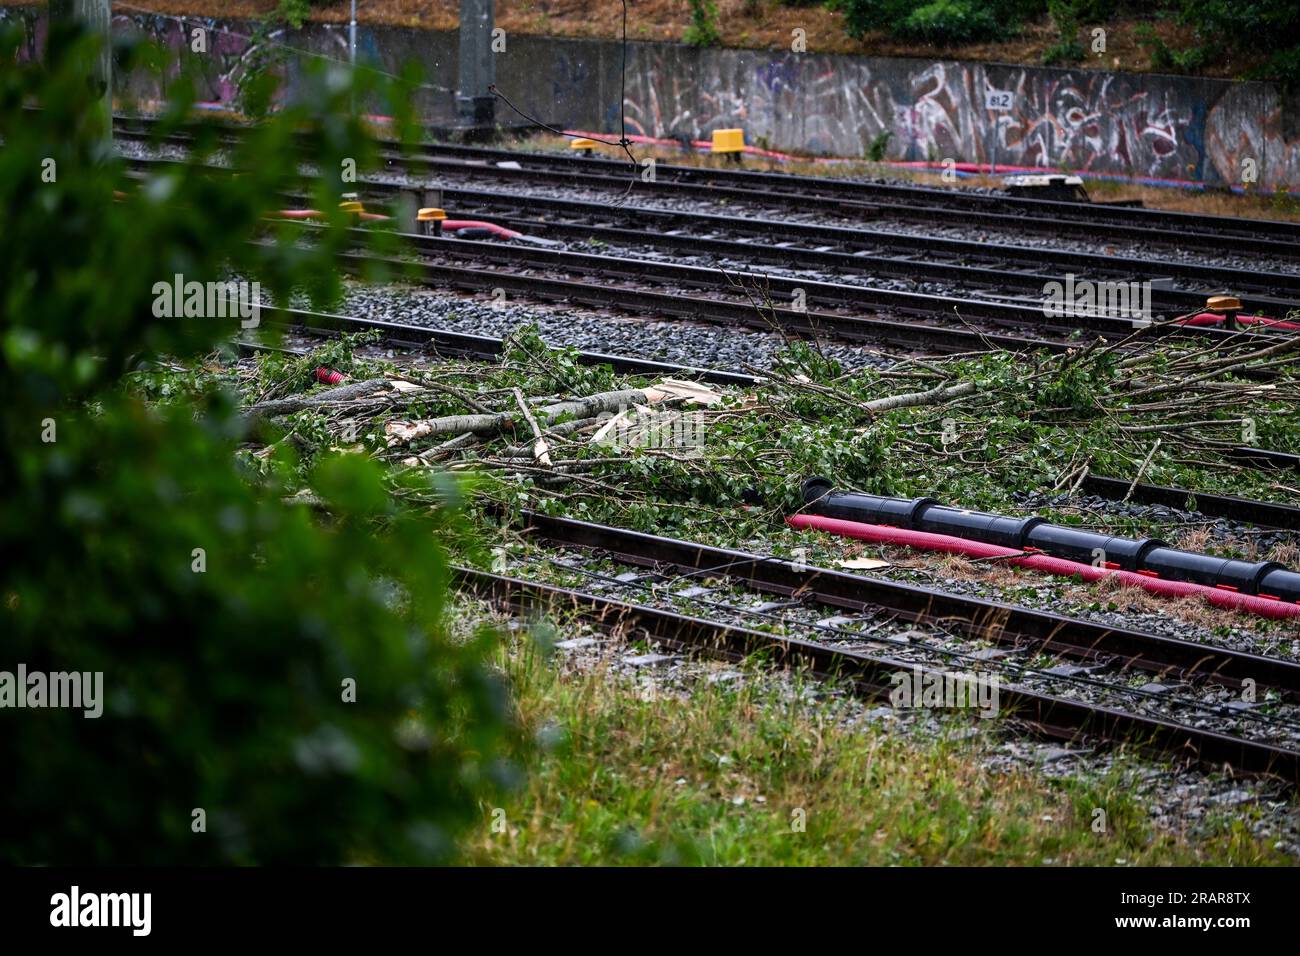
(761, 770)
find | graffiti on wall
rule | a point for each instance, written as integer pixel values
(1176, 128)
(1127, 124)
(231, 57)
(1245, 125)
(233, 50)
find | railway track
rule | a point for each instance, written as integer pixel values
(864, 201)
(836, 249)
(1268, 514)
(869, 202)
(757, 300)
(1006, 270)
(848, 188)
(1108, 653)
(483, 347)
(849, 312)
(657, 289)
(1022, 634)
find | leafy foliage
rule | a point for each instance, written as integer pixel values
(227, 623)
(703, 30)
(936, 21)
(295, 12)
(1266, 31)
(879, 146)
(1032, 421)
(1270, 27)
(1166, 58)
(951, 21)
(1066, 14)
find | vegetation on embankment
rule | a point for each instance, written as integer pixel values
(1258, 39)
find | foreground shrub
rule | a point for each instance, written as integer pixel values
(277, 686)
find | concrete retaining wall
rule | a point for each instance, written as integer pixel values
(1180, 128)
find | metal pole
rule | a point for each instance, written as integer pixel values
(95, 15)
(474, 101)
(993, 146)
(352, 37)
(352, 60)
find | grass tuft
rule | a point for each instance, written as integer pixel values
(725, 771)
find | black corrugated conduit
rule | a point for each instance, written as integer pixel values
(1144, 556)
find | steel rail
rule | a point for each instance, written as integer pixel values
(461, 344)
(857, 250)
(600, 293)
(977, 618)
(1265, 458)
(1266, 513)
(871, 675)
(874, 200)
(827, 294)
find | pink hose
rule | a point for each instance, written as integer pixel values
(451, 225)
(448, 225)
(1217, 318)
(316, 214)
(884, 534)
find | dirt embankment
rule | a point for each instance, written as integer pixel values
(752, 24)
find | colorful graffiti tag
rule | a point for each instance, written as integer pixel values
(1101, 122)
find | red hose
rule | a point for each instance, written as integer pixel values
(1217, 318)
(448, 225)
(884, 534)
(451, 225)
(316, 214)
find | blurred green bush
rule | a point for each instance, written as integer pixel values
(227, 623)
